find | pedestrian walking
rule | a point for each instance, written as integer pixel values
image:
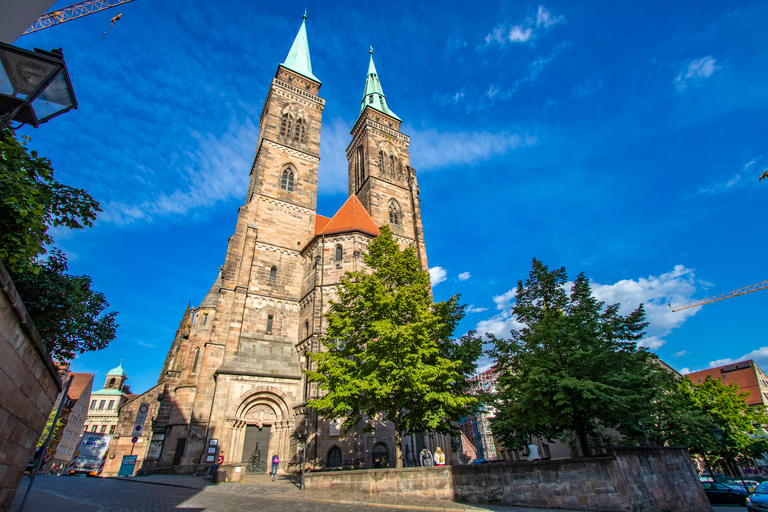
(439, 457)
(275, 464)
(425, 458)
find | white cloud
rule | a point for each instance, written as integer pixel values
(655, 292)
(545, 18)
(524, 31)
(685, 370)
(431, 149)
(760, 356)
(437, 275)
(333, 172)
(464, 276)
(695, 71)
(733, 182)
(681, 353)
(473, 309)
(216, 171)
(144, 344)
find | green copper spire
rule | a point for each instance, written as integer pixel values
(298, 58)
(373, 96)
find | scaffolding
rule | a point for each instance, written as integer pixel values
(485, 382)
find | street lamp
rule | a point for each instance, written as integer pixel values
(34, 86)
(720, 436)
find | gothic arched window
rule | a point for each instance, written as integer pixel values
(298, 134)
(360, 163)
(381, 161)
(338, 253)
(334, 458)
(394, 213)
(194, 361)
(392, 166)
(306, 328)
(270, 319)
(285, 125)
(286, 183)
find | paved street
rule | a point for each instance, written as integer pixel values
(193, 494)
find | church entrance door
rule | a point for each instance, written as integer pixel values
(256, 448)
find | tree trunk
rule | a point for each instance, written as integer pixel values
(581, 434)
(398, 443)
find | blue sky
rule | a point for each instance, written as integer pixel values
(621, 139)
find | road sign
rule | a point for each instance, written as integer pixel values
(141, 417)
(127, 465)
(134, 439)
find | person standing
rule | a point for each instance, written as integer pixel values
(439, 457)
(275, 464)
(425, 458)
(533, 452)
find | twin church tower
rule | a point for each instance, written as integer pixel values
(232, 382)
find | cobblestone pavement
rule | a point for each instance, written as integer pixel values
(166, 493)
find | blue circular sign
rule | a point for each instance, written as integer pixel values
(135, 438)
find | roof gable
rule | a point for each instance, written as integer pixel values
(352, 216)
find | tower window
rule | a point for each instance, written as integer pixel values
(287, 181)
(381, 161)
(286, 125)
(306, 328)
(205, 318)
(111, 382)
(269, 324)
(272, 272)
(395, 217)
(360, 163)
(392, 166)
(194, 362)
(338, 253)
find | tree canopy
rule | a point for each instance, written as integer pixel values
(31, 201)
(387, 349)
(574, 368)
(68, 314)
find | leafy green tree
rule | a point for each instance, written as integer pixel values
(574, 368)
(726, 407)
(387, 349)
(31, 201)
(68, 314)
(764, 176)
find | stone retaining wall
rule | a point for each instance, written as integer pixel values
(628, 479)
(29, 385)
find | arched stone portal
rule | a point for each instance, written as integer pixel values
(261, 427)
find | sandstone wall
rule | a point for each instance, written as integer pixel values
(29, 383)
(626, 480)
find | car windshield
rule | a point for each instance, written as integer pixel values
(762, 488)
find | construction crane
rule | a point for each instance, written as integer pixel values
(741, 291)
(72, 12)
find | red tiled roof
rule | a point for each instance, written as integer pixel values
(352, 216)
(80, 383)
(320, 223)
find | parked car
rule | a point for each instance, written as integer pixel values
(723, 494)
(758, 500)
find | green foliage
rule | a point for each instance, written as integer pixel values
(727, 408)
(573, 368)
(68, 314)
(764, 176)
(59, 427)
(388, 349)
(31, 201)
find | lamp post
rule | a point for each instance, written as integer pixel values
(720, 436)
(34, 86)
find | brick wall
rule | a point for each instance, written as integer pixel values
(29, 383)
(627, 479)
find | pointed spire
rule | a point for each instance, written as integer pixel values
(298, 58)
(373, 96)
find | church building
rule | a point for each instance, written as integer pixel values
(232, 382)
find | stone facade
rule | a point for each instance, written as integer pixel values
(30, 383)
(628, 479)
(233, 375)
